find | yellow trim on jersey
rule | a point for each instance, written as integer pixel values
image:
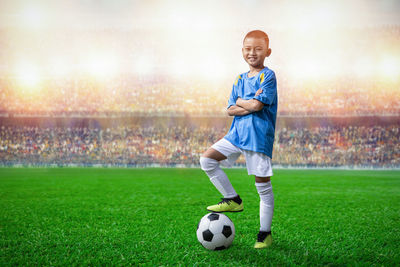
(237, 79)
(261, 78)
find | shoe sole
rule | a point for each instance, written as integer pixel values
(269, 244)
(264, 247)
(225, 211)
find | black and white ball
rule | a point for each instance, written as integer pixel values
(215, 231)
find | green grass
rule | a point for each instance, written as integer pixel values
(75, 216)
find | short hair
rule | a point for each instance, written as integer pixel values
(257, 34)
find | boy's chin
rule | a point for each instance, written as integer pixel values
(255, 65)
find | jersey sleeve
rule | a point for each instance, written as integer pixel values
(268, 86)
(233, 97)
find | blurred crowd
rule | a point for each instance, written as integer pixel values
(355, 146)
(340, 97)
(124, 96)
(339, 146)
(127, 97)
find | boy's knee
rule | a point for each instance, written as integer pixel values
(265, 192)
(263, 179)
(208, 164)
(264, 188)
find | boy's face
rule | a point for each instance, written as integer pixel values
(255, 50)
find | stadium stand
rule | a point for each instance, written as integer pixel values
(124, 97)
(150, 143)
(38, 123)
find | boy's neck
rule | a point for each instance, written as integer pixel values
(254, 70)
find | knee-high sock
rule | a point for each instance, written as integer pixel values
(217, 177)
(266, 205)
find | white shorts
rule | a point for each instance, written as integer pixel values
(257, 163)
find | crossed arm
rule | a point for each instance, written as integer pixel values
(244, 107)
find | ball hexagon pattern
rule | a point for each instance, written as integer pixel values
(215, 231)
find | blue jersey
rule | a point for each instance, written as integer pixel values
(255, 131)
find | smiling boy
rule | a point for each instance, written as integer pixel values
(253, 103)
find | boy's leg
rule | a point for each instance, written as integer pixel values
(264, 189)
(209, 162)
(259, 164)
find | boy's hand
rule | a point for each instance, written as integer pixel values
(259, 91)
(237, 111)
(251, 105)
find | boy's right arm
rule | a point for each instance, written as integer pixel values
(237, 111)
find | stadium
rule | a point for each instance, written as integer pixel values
(104, 118)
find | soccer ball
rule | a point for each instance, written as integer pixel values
(215, 231)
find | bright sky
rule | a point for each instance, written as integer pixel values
(204, 13)
(203, 37)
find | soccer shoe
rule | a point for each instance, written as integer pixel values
(227, 205)
(264, 240)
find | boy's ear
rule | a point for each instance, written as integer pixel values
(269, 52)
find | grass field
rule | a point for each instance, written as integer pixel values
(74, 216)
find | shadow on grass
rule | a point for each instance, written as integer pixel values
(242, 253)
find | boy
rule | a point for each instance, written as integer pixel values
(253, 103)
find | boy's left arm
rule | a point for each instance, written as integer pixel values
(263, 96)
(251, 105)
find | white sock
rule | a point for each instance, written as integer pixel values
(266, 205)
(217, 177)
